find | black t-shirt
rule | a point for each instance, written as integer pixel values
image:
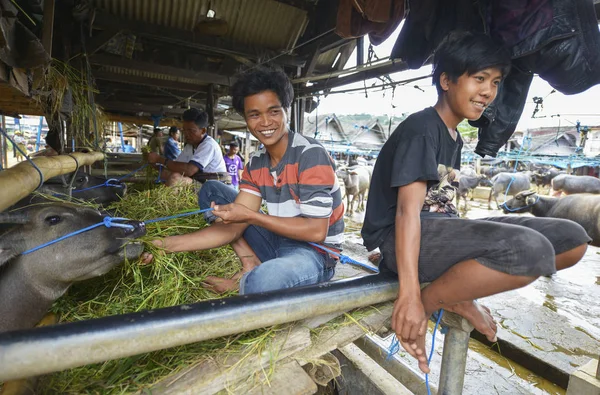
(420, 149)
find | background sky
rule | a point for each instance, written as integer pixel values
(558, 109)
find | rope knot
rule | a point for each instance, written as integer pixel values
(113, 182)
(108, 222)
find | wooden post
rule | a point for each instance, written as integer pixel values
(210, 109)
(48, 26)
(4, 146)
(360, 51)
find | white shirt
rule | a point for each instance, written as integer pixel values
(207, 154)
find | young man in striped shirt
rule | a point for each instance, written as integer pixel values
(295, 175)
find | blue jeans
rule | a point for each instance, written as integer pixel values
(286, 263)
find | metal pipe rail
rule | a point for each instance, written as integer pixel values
(49, 349)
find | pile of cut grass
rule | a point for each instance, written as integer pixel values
(170, 280)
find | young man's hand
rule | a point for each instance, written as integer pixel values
(409, 322)
(233, 213)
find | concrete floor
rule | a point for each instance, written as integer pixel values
(551, 326)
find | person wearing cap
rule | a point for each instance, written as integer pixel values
(201, 157)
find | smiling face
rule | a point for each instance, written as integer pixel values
(468, 97)
(266, 119)
(193, 134)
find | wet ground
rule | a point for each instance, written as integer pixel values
(551, 326)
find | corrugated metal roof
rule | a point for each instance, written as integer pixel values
(266, 23)
(155, 76)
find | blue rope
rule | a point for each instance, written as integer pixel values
(107, 221)
(395, 345)
(179, 215)
(111, 182)
(26, 157)
(344, 259)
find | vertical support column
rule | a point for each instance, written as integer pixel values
(454, 361)
(360, 51)
(210, 110)
(4, 146)
(301, 107)
(48, 26)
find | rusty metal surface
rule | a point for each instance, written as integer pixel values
(267, 23)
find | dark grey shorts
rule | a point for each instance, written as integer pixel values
(514, 245)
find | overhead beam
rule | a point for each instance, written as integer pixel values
(213, 44)
(96, 42)
(300, 4)
(386, 68)
(138, 80)
(204, 76)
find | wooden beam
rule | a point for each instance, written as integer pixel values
(303, 5)
(139, 80)
(204, 76)
(181, 37)
(387, 68)
(48, 26)
(96, 42)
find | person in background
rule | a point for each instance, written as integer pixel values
(201, 157)
(172, 150)
(234, 164)
(155, 142)
(128, 148)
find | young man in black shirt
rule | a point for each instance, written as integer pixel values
(411, 216)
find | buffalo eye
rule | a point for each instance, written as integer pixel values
(53, 220)
(81, 179)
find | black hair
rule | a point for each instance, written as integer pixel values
(233, 144)
(260, 79)
(157, 130)
(199, 117)
(172, 130)
(466, 52)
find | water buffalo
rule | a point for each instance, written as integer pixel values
(542, 177)
(574, 184)
(30, 283)
(581, 208)
(509, 184)
(356, 182)
(466, 184)
(490, 172)
(84, 187)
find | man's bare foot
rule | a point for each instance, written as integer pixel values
(222, 285)
(479, 316)
(417, 351)
(375, 257)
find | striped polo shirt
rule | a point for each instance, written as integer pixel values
(302, 184)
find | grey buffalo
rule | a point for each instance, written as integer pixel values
(466, 184)
(356, 183)
(568, 184)
(30, 283)
(509, 184)
(542, 177)
(581, 208)
(83, 187)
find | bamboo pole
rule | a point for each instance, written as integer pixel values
(22, 179)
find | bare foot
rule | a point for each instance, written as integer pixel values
(222, 285)
(479, 316)
(374, 257)
(146, 258)
(415, 349)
